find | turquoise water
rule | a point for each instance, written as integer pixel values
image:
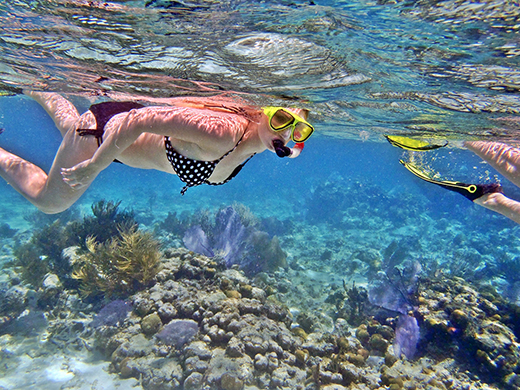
(437, 70)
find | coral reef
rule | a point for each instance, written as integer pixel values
(199, 325)
(191, 322)
(473, 327)
(239, 341)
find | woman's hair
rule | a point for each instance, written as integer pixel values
(221, 104)
(225, 104)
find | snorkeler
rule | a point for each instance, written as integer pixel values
(199, 140)
(504, 158)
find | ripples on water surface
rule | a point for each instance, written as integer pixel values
(418, 67)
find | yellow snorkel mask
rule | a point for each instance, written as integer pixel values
(281, 119)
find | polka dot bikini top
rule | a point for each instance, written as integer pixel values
(197, 172)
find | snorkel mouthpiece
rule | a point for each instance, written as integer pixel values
(284, 151)
(280, 149)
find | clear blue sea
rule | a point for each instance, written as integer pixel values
(432, 70)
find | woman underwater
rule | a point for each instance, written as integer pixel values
(203, 142)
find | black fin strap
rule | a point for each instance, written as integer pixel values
(473, 191)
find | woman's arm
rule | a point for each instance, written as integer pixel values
(212, 133)
(209, 134)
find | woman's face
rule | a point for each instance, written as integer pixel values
(269, 136)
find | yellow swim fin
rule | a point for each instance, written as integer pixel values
(470, 191)
(411, 144)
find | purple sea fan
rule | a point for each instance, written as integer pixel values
(406, 336)
(238, 242)
(196, 240)
(393, 288)
(232, 236)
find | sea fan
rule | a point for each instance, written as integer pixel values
(406, 336)
(236, 239)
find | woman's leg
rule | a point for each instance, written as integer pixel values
(62, 112)
(50, 193)
(501, 204)
(504, 158)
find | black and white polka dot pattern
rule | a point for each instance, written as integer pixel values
(196, 172)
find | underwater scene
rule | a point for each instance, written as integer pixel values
(385, 256)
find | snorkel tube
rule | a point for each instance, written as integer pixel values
(285, 151)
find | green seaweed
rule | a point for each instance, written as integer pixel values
(351, 303)
(6, 231)
(31, 266)
(506, 266)
(119, 267)
(51, 241)
(358, 302)
(266, 252)
(247, 217)
(39, 220)
(42, 254)
(107, 222)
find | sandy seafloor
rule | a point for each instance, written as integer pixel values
(342, 198)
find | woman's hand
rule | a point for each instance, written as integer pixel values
(80, 175)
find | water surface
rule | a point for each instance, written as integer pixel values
(437, 70)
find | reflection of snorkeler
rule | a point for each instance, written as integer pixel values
(504, 158)
(203, 142)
